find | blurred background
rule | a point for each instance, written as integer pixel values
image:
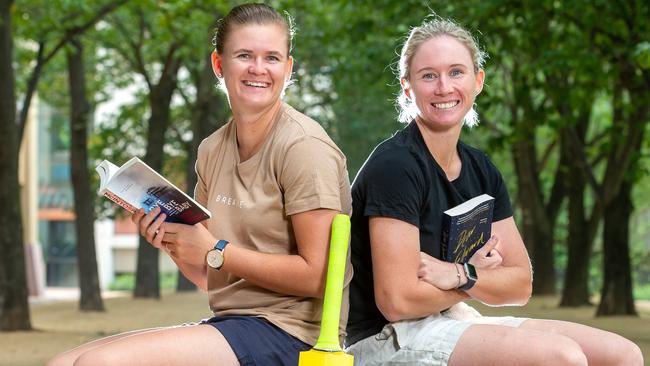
(564, 115)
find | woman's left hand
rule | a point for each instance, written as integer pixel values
(488, 257)
(438, 273)
(187, 243)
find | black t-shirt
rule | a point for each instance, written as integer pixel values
(401, 180)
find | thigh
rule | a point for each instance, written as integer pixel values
(69, 357)
(375, 350)
(186, 345)
(427, 341)
(601, 347)
(499, 345)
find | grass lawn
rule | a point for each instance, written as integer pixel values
(60, 326)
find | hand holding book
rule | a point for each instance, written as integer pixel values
(488, 256)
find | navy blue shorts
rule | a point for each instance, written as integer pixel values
(257, 342)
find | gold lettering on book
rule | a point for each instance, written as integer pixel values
(467, 249)
(464, 236)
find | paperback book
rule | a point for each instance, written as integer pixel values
(466, 228)
(135, 185)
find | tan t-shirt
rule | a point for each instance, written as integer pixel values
(298, 168)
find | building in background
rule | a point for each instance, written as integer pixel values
(48, 211)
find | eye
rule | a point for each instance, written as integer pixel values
(456, 72)
(243, 56)
(428, 76)
(272, 58)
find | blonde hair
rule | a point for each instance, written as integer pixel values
(417, 36)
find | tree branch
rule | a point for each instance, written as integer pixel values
(558, 192)
(578, 22)
(183, 95)
(171, 62)
(137, 61)
(75, 31)
(578, 149)
(546, 155)
(187, 145)
(42, 59)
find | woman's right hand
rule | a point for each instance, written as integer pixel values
(151, 225)
(443, 275)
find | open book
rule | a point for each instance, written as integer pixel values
(466, 228)
(135, 185)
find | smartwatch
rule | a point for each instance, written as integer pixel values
(470, 273)
(215, 256)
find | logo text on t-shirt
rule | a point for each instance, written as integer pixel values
(229, 201)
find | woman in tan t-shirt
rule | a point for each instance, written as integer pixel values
(273, 181)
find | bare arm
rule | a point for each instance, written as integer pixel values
(301, 274)
(399, 293)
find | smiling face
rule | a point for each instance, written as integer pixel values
(442, 82)
(254, 65)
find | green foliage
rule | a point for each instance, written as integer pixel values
(642, 55)
(550, 64)
(126, 281)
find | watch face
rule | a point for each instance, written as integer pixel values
(214, 259)
(470, 271)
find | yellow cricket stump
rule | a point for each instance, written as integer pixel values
(327, 351)
(314, 357)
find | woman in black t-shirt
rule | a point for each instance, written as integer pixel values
(407, 304)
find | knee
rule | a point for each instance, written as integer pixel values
(53, 362)
(60, 360)
(94, 358)
(569, 353)
(631, 356)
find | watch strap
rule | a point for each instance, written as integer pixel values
(471, 279)
(221, 245)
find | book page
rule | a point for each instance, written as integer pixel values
(142, 187)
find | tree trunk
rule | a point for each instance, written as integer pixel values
(207, 117)
(147, 271)
(575, 291)
(90, 299)
(14, 310)
(616, 294)
(536, 228)
(630, 122)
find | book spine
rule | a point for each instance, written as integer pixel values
(113, 197)
(444, 239)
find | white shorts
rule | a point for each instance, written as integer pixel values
(426, 341)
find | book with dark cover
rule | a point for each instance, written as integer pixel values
(466, 228)
(135, 185)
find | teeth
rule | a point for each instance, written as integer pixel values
(445, 105)
(257, 84)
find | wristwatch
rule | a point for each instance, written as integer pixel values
(215, 256)
(470, 273)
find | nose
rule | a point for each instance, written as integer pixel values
(256, 67)
(443, 85)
